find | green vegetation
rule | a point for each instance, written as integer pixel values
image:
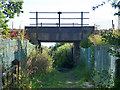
(36, 64)
(72, 79)
(76, 78)
(63, 56)
(97, 40)
(110, 38)
(114, 4)
(8, 10)
(53, 48)
(107, 38)
(39, 69)
(85, 43)
(113, 38)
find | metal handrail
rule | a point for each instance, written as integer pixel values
(58, 24)
(61, 12)
(59, 18)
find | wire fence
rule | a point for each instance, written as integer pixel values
(103, 63)
(102, 58)
(11, 50)
(14, 49)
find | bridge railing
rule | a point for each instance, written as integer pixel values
(59, 18)
(73, 24)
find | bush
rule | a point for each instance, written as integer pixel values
(97, 40)
(85, 43)
(63, 56)
(39, 62)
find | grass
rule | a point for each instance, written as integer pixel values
(58, 80)
(76, 78)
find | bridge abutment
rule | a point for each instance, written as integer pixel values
(76, 53)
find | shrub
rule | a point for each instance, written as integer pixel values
(39, 62)
(97, 40)
(63, 56)
(85, 43)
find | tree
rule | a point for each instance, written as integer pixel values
(56, 46)
(114, 3)
(113, 39)
(8, 9)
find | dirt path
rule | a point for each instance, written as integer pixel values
(63, 80)
(68, 80)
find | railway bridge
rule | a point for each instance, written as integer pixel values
(60, 32)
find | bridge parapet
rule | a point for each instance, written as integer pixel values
(56, 34)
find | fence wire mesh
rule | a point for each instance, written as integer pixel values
(14, 49)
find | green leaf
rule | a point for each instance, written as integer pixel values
(9, 9)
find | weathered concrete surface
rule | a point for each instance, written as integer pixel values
(62, 34)
(56, 34)
(76, 53)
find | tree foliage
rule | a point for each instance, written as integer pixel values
(97, 40)
(56, 46)
(8, 9)
(114, 3)
(113, 38)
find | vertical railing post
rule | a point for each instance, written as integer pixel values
(19, 56)
(36, 19)
(41, 24)
(59, 17)
(81, 18)
(73, 24)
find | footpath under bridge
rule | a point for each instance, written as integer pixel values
(60, 32)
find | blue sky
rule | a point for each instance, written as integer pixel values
(102, 16)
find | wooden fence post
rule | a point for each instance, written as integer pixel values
(117, 73)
